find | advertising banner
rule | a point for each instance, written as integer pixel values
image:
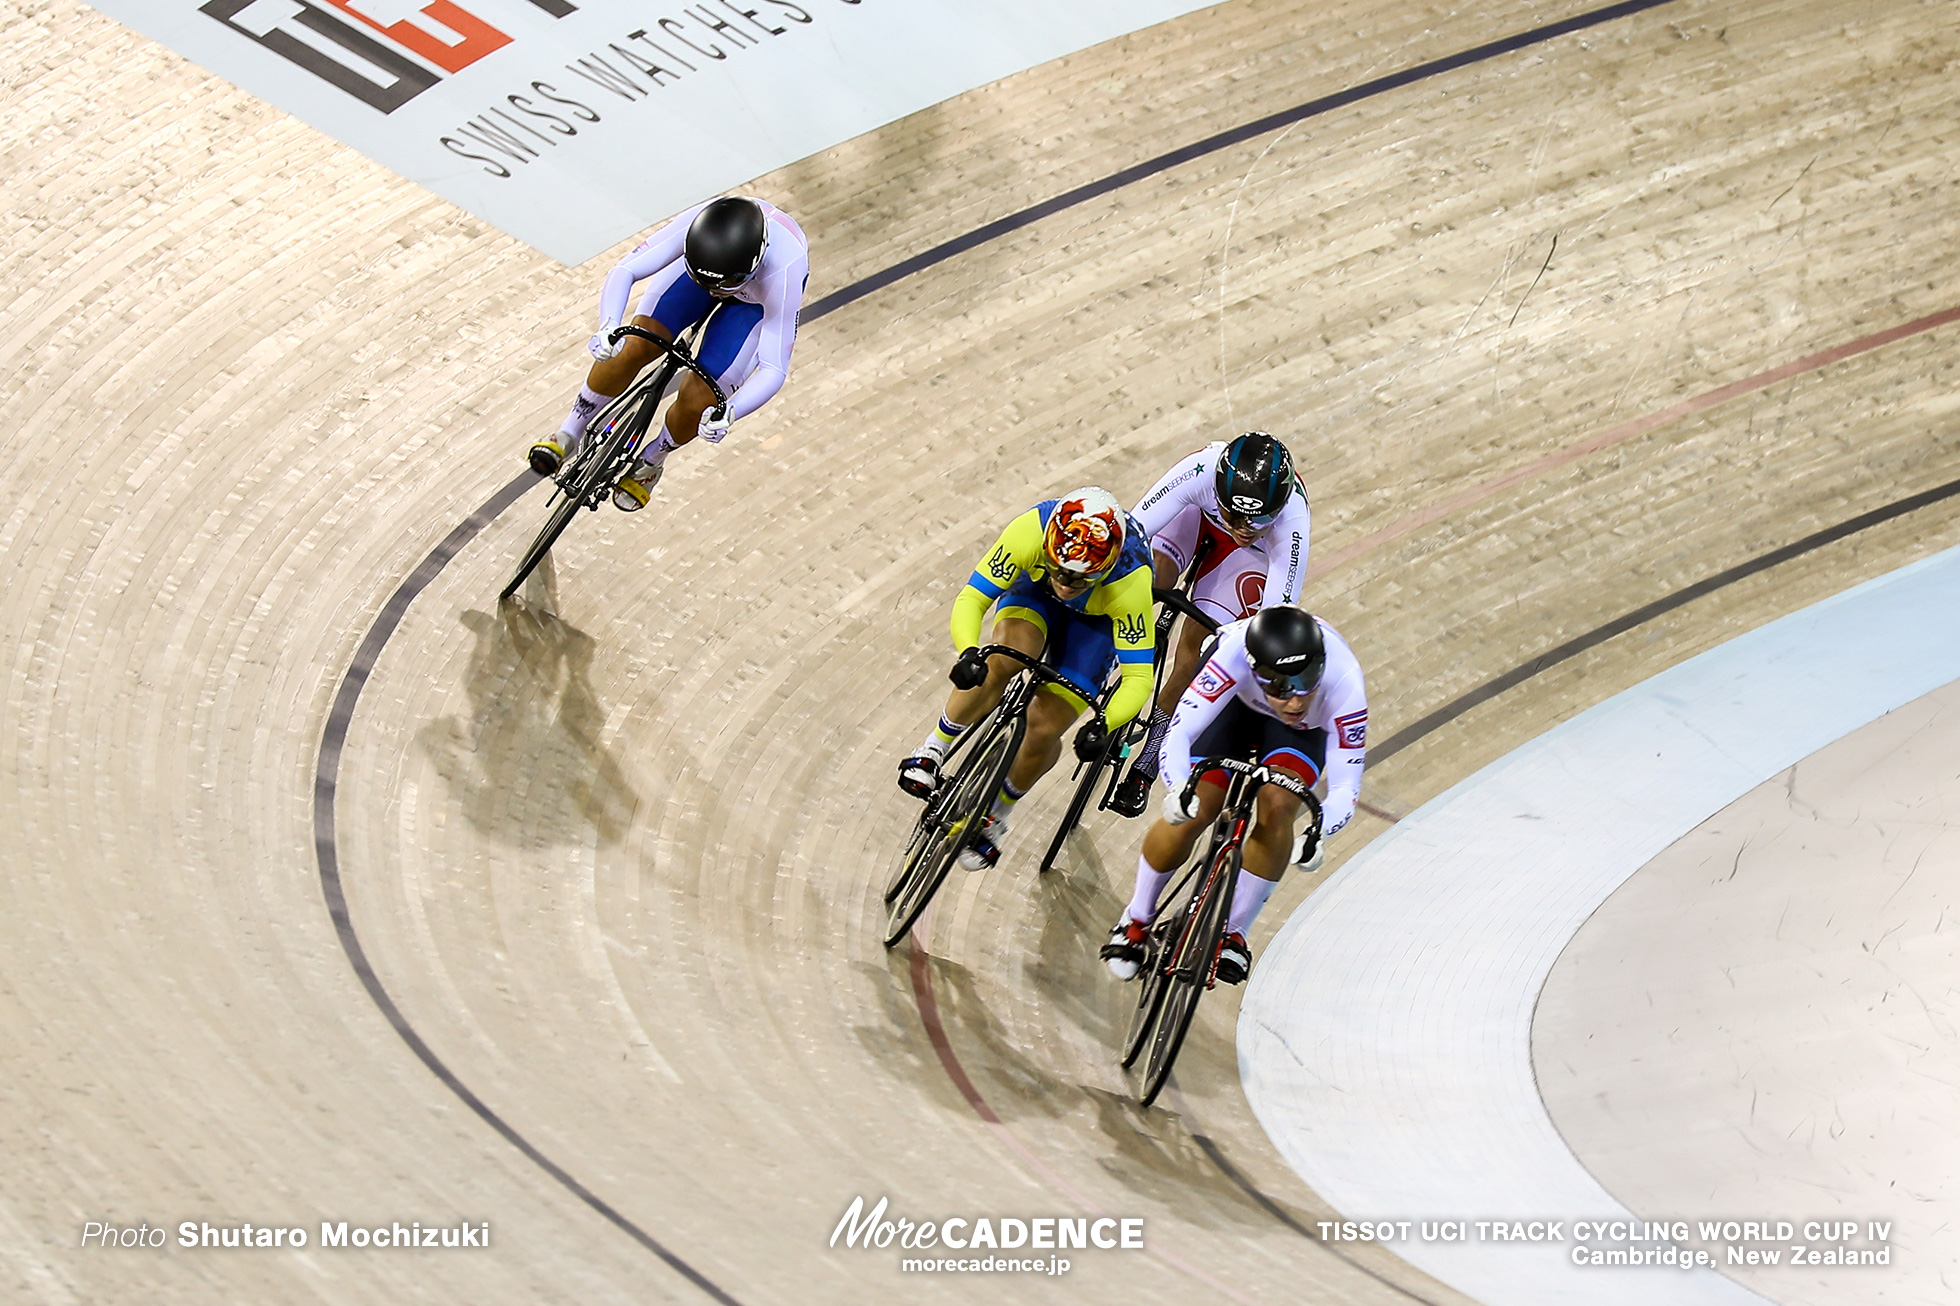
(572, 124)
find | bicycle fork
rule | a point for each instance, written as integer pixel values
(1218, 861)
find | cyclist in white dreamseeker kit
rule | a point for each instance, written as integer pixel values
(747, 253)
(1239, 508)
(1282, 684)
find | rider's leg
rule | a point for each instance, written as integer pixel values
(672, 302)
(605, 382)
(1167, 847)
(728, 354)
(1050, 715)
(1267, 848)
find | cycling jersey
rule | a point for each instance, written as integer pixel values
(1184, 503)
(1123, 596)
(1339, 707)
(776, 286)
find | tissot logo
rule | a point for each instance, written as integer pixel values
(370, 56)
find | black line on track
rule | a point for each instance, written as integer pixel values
(1572, 648)
(340, 717)
(326, 779)
(1279, 1213)
(1212, 144)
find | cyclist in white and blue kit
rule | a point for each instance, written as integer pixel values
(745, 253)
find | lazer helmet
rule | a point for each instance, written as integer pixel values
(1254, 478)
(1084, 535)
(1286, 649)
(725, 243)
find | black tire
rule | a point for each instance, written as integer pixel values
(561, 516)
(589, 474)
(1188, 970)
(1078, 803)
(952, 825)
(923, 831)
(1150, 987)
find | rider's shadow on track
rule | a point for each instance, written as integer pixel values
(527, 764)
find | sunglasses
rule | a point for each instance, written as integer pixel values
(1283, 684)
(1240, 521)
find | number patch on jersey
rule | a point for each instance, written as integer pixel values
(1353, 729)
(1212, 682)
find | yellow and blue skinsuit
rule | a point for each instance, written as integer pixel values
(1112, 618)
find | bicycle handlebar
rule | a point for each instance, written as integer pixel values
(1179, 601)
(679, 352)
(1260, 772)
(1043, 673)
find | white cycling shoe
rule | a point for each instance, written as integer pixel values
(984, 852)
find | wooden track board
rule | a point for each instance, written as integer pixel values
(613, 853)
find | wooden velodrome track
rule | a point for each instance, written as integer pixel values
(1556, 332)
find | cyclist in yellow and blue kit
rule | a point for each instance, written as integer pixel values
(1071, 575)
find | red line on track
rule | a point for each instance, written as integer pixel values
(921, 968)
(936, 1032)
(1627, 430)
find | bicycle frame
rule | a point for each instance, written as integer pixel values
(1182, 961)
(633, 412)
(614, 437)
(953, 812)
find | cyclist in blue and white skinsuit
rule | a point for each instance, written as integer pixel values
(746, 253)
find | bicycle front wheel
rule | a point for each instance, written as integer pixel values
(1150, 987)
(949, 826)
(1188, 972)
(561, 516)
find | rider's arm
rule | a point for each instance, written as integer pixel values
(665, 245)
(1209, 691)
(1180, 487)
(782, 301)
(1285, 546)
(1127, 603)
(1347, 746)
(997, 569)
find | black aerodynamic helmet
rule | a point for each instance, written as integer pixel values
(1286, 649)
(725, 242)
(1254, 477)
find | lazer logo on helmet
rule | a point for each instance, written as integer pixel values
(369, 57)
(1246, 504)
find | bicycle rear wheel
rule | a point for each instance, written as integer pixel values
(1188, 971)
(1085, 788)
(950, 826)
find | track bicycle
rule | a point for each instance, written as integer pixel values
(1106, 768)
(1181, 953)
(612, 441)
(959, 805)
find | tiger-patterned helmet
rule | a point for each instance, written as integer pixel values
(1085, 534)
